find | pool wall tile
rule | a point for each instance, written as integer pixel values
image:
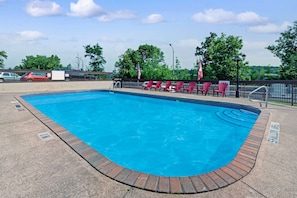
(209, 183)
(187, 185)
(226, 177)
(238, 170)
(217, 179)
(152, 183)
(100, 162)
(80, 147)
(175, 185)
(74, 142)
(71, 139)
(66, 135)
(115, 171)
(249, 153)
(96, 160)
(241, 165)
(141, 180)
(131, 178)
(198, 184)
(61, 132)
(245, 161)
(88, 153)
(232, 173)
(164, 185)
(123, 175)
(249, 148)
(107, 168)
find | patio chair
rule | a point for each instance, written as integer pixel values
(221, 89)
(178, 86)
(157, 85)
(148, 85)
(190, 87)
(167, 86)
(205, 88)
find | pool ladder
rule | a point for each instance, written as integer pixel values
(115, 84)
(260, 101)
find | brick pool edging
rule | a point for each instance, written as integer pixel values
(241, 165)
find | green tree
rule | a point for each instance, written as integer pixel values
(126, 64)
(179, 73)
(3, 56)
(286, 50)
(218, 54)
(40, 63)
(150, 60)
(95, 54)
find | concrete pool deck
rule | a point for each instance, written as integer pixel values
(31, 167)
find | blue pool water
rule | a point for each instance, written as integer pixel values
(150, 135)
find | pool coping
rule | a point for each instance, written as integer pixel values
(241, 165)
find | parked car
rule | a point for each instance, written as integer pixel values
(76, 74)
(34, 76)
(9, 76)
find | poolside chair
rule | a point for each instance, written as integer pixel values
(190, 87)
(167, 86)
(221, 89)
(178, 86)
(205, 88)
(157, 85)
(148, 85)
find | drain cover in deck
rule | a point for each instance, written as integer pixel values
(45, 136)
(274, 130)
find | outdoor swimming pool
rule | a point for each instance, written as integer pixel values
(151, 135)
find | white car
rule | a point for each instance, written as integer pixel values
(9, 76)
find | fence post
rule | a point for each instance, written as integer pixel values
(292, 101)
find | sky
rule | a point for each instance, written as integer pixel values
(64, 27)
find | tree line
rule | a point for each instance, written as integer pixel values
(220, 56)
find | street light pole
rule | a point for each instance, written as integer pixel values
(172, 59)
(237, 58)
(237, 78)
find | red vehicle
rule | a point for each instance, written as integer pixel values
(34, 76)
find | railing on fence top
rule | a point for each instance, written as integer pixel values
(280, 91)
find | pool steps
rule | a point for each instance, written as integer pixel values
(237, 117)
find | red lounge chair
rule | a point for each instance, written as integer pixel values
(167, 86)
(148, 85)
(157, 85)
(205, 88)
(178, 86)
(190, 87)
(221, 89)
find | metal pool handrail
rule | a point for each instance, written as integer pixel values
(260, 101)
(114, 85)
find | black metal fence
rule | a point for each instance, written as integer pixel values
(279, 91)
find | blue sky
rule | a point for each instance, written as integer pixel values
(63, 27)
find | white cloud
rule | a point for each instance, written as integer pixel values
(45, 8)
(214, 16)
(257, 54)
(270, 28)
(85, 8)
(250, 18)
(154, 18)
(31, 36)
(121, 14)
(220, 16)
